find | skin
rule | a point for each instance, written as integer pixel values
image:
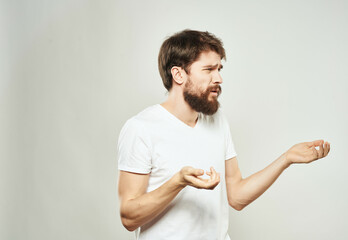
(138, 207)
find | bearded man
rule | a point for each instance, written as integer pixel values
(164, 150)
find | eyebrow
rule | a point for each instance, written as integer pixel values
(213, 66)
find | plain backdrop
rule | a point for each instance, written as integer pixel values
(72, 72)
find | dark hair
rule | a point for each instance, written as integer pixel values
(182, 49)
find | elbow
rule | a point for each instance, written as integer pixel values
(128, 220)
(128, 224)
(237, 205)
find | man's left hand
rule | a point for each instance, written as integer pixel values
(307, 152)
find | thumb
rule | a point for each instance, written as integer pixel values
(197, 172)
(316, 143)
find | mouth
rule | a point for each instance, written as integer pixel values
(215, 91)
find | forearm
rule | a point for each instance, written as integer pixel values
(250, 188)
(140, 210)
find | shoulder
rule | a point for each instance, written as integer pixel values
(141, 121)
(145, 116)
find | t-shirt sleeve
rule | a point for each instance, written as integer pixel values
(230, 150)
(134, 148)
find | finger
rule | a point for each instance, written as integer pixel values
(326, 148)
(202, 183)
(321, 151)
(216, 175)
(196, 172)
(314, 155)
(217, 181)
(195, 182)
(213, 175)
(210, 183)
(315, 143)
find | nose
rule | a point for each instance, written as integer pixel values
(217, 79)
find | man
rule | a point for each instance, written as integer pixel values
(163, 150)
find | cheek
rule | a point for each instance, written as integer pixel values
(200, 81)
(203, 79)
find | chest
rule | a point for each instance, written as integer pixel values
(199, 148)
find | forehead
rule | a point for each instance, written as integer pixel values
(208, 58)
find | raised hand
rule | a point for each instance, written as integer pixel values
(193, 177)
(306, 152)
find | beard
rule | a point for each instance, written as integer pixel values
(200, 102)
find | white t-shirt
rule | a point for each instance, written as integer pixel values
(155, 142)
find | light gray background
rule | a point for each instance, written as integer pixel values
(72, 72)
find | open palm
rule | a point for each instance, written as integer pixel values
(306, 152)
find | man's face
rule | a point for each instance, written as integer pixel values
(202, 87)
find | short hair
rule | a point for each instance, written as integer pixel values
(182, 49)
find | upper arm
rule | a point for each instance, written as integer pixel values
(232, 171)
(233, 177)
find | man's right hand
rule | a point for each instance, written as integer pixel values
(193, 177)
(139, 207)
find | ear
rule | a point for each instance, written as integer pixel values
(178, 75)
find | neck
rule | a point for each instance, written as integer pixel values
(176, 105)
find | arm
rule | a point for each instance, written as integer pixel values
(242, 192)
(138, 207)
